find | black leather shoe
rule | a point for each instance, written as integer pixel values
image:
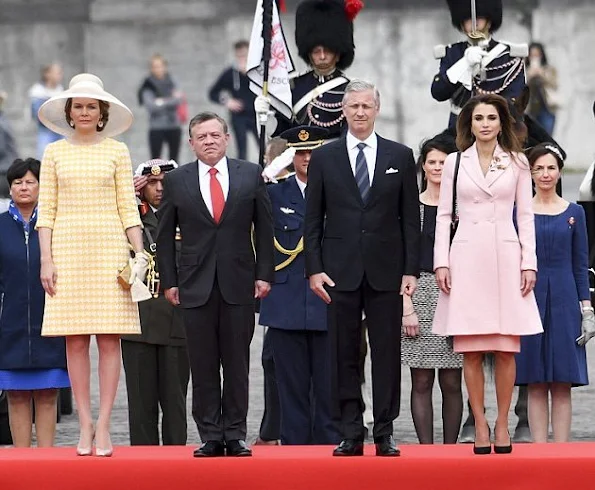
(238, 448)
(349, 447)
(503, 449)
(210, 449)
(385, 446)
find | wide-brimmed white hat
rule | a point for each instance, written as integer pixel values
(85, 85)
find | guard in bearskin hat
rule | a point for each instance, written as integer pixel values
(480, 64)
(324, 37)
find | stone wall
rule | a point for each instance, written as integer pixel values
(114, 39)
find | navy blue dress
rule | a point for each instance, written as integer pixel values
(562, 281)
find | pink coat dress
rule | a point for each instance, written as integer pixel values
(487, 254)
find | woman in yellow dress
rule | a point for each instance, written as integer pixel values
(87, 218)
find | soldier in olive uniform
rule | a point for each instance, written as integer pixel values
(156, 362)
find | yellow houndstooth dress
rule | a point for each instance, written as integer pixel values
(87, 198)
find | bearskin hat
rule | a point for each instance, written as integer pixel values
(327, 23)
(460, 11)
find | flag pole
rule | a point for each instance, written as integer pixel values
(267, 31)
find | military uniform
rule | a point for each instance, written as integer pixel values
(502, 70)
(504, 76)
(317, 101)
(297, 322)
(156, 364)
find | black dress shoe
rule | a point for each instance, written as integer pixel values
(238, 448)
(210, 449)
(349, 447)
(385, 446)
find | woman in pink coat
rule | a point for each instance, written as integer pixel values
(486, 276)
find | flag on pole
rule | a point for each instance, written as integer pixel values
(280, 66)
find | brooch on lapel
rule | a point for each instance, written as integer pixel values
(497, 164)
(287, 210)
(391, 171)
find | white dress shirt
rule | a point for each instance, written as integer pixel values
(369, 151)
(301, 185)
(204, 180)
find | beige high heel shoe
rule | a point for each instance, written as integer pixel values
(86, 450)
(104, 452)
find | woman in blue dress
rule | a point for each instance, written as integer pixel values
(553, 362)
(32, 367)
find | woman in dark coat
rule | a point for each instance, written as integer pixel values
(32, 368)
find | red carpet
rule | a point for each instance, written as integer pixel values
(543, 467)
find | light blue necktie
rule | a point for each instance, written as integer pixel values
(361, 172)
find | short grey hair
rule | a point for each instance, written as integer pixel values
(205, 116)
(357, 85)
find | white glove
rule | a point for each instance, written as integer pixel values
(139, 266)
(139, 291)
(262, 104)
(474, 55)
(279, 163)
(587, 326)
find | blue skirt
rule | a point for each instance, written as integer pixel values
(33, 379)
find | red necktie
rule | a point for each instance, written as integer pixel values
(217, 197)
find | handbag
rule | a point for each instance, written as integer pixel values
(124, 277)
(454, 217)
(182, 111)
(552, 98)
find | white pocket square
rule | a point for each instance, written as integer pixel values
(287, 210)
(392, 171)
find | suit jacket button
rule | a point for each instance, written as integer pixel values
(285, 227)
(364, 231)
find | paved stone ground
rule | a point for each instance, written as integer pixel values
(583, 398)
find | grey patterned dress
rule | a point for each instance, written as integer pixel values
(427, 350)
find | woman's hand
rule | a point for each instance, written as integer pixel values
(528, 280)
(443, 279)
(48, 276)
(411, 325)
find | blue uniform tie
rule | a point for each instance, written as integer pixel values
(361, 172)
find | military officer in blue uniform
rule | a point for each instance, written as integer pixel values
(480, 64)
(324, 37)
(296, 317)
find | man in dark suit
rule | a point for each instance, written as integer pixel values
(361, 243)
(296, 317)
(156, 362)
(226, 261)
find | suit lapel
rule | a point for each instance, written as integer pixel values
(192, 183)
(235, 183)
(470, 162)
(383, 156)
(502, 159)
(343, 166)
